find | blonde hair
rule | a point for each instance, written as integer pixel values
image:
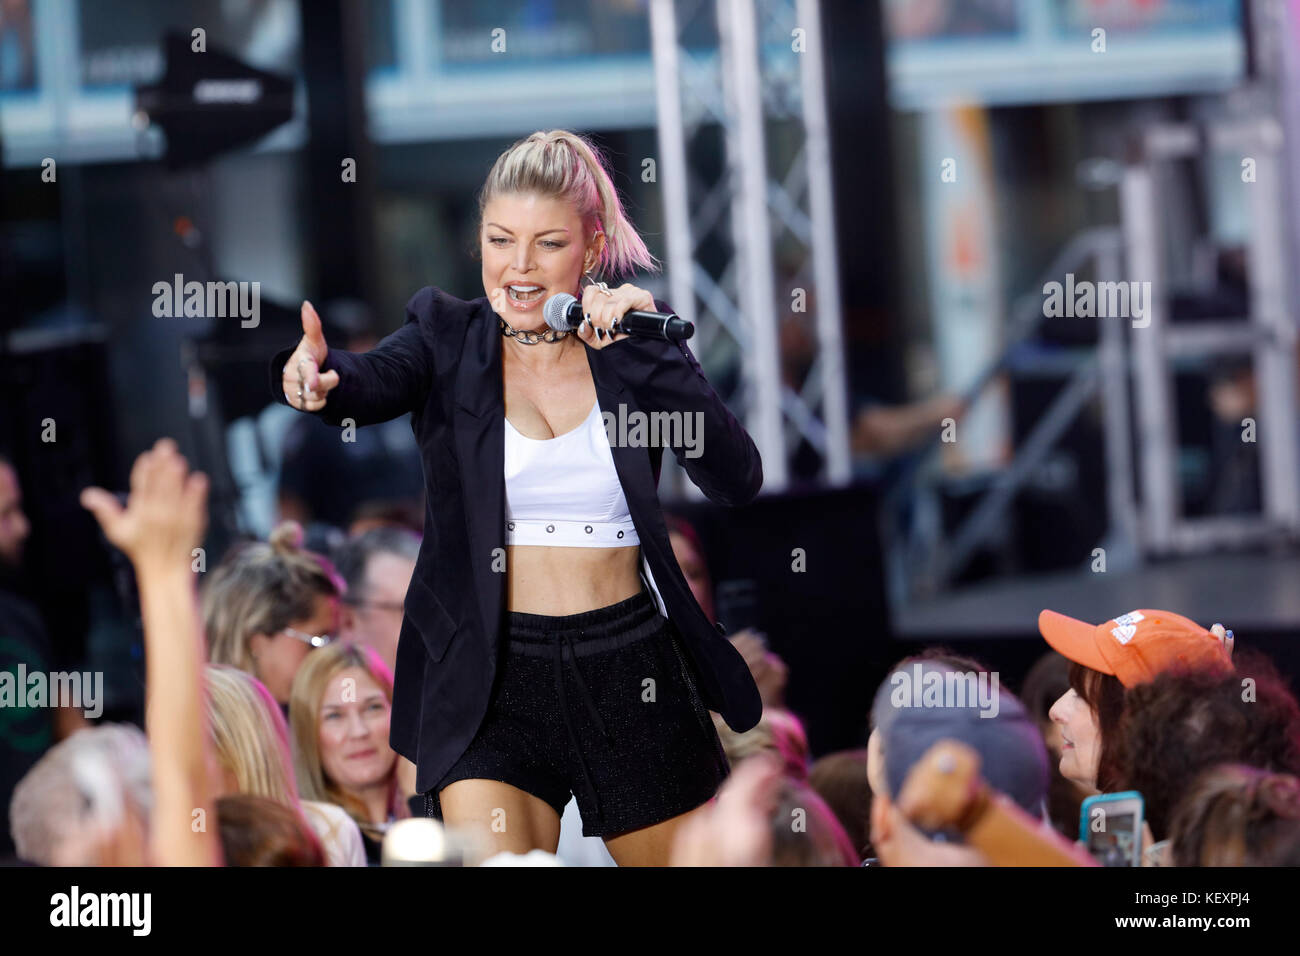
(561, 165)
(319, 668)
(778, 731)
(262, 588)
(249, 734)
(251, 740)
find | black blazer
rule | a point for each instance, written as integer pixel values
(444, 366)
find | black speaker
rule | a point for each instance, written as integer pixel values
(1060, 515)
(807, 570)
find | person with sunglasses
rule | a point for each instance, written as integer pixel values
(268, 605)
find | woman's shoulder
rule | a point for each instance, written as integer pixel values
(444, 321)
(434, 302)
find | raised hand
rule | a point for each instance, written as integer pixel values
(1226, 638)
(735, 828)
(768, 670)
(304, 385)
(165, 515)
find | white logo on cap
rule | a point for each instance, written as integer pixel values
(1127, 626)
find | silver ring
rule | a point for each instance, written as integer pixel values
(603, 288)
(300, 393)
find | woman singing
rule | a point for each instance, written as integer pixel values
(550, 644)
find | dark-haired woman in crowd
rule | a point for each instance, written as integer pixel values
(1107, 661)
(1182, 723)
(259, 831)
(1046, 683)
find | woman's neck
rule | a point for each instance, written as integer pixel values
(377, 800)
(542, 358)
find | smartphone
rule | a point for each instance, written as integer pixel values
(1110, 826)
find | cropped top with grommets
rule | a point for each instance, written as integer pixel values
(564, 491)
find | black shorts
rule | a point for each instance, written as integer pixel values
(602, 704)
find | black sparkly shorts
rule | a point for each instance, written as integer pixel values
(602, 705)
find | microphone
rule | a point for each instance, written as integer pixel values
(564, 312)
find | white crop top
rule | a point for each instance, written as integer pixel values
(564, 491)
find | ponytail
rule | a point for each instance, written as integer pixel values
(565, 166)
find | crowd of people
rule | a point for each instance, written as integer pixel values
(269, 690)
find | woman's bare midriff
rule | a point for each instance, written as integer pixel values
(556, 581)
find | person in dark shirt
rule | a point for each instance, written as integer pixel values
(25, 732)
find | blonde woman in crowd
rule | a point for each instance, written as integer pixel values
(339, 714)
(268, 605)
(251, 741)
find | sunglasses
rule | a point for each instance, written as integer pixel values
(315, 640)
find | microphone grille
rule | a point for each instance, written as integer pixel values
(556, 309)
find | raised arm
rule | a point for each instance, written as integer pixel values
(366, 387)
(159, 528)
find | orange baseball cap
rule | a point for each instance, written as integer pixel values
(1136, 646)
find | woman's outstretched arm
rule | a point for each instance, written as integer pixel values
(365, 387)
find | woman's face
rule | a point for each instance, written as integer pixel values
(1052, 737)
(528, 240)
(354, 714)
(1080, 739)
(277, 657)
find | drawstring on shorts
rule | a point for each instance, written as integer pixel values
(567, 640)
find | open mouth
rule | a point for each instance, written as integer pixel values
(525, 294)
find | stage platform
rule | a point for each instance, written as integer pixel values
(1256, 595)
(1250, 593)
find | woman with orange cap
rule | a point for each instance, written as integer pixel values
(1105, 661)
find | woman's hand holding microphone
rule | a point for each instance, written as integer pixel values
(601, 308)
(305, 387)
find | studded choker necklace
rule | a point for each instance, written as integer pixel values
(529, 337)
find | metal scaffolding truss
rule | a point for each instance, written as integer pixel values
(767, 101)
(1132, 372)
(1267, 334)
